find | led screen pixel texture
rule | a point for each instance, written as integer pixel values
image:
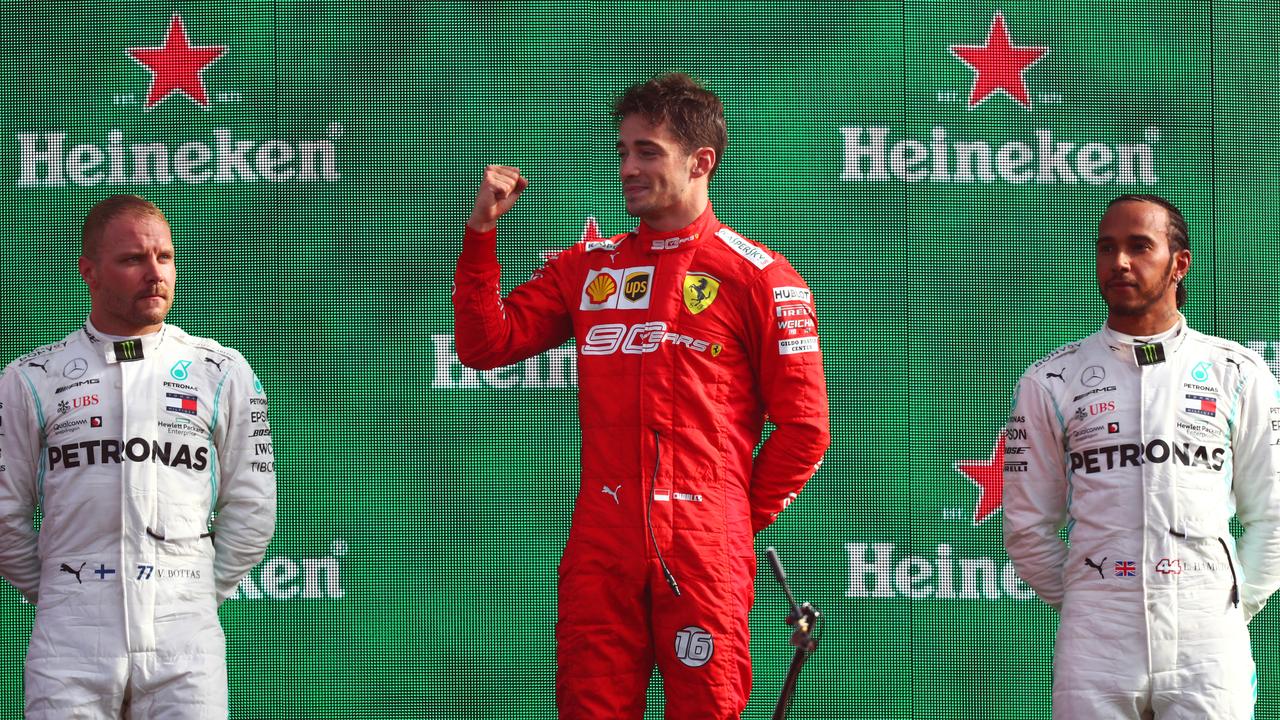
(318, 193)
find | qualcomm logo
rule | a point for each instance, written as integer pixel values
(284, 578)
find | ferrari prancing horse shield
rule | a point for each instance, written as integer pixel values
(700, 291)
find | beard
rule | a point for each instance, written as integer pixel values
(1142, 301)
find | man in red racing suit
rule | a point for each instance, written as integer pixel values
(687, 336)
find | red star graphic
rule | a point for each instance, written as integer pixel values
(590, 231)
(989, 477)
(999, 65)
(177, 65)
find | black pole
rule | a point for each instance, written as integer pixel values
(804, 617)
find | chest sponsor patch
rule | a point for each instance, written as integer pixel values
(700, 290)
(617, 289)
(181, 403)
(1206, 405)
(753, 254)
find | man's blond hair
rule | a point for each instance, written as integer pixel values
(106, 211)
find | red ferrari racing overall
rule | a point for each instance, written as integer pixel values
(685, 340)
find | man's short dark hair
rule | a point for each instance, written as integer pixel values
(1179, 238)
(694, 113)
(106, 211)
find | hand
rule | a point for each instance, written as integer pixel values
(499, 190)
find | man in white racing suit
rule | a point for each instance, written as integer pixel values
(1143, 440)
(126, 436)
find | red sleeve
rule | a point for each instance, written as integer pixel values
(784, 329)
(491, 332)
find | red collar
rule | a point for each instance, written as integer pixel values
(688, 236)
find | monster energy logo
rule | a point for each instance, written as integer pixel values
(128, 350)
(1149, 354)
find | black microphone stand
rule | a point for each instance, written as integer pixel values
(807, 622)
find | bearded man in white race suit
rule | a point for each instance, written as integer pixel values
(1143, 440)
(127, 436)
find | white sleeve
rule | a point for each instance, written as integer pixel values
(20, 464)
(1035, 492)
(1255, 482)
(246, 504)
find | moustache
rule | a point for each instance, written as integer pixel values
(157, 290)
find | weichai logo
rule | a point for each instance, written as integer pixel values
(174, 77)
(1002, 72)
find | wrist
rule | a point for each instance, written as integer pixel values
(479, 246)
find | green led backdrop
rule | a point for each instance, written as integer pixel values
(318, 171)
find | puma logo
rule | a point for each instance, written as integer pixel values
(67, 569)
(1096, 566)
(216, 363)
(1056, 375)
(612, 493)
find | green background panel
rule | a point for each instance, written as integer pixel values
(428, 504)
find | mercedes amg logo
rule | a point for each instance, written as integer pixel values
(1093, 375)
(75, 369)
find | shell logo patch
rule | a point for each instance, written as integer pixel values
(617, 288)
(601, 289)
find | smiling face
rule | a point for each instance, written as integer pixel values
(131, 275)
(662, 184)
(1138, 269)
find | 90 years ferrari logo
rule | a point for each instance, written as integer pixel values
(700, 291)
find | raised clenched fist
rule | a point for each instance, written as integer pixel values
(499, 190)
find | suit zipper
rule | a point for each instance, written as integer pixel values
(1235, 583)
(657, 463)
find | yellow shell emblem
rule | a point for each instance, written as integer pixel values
(700, 290)
(601, 288)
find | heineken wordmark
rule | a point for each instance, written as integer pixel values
(47, 159)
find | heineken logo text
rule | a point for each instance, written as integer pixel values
(48, 159)
(869, 156)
